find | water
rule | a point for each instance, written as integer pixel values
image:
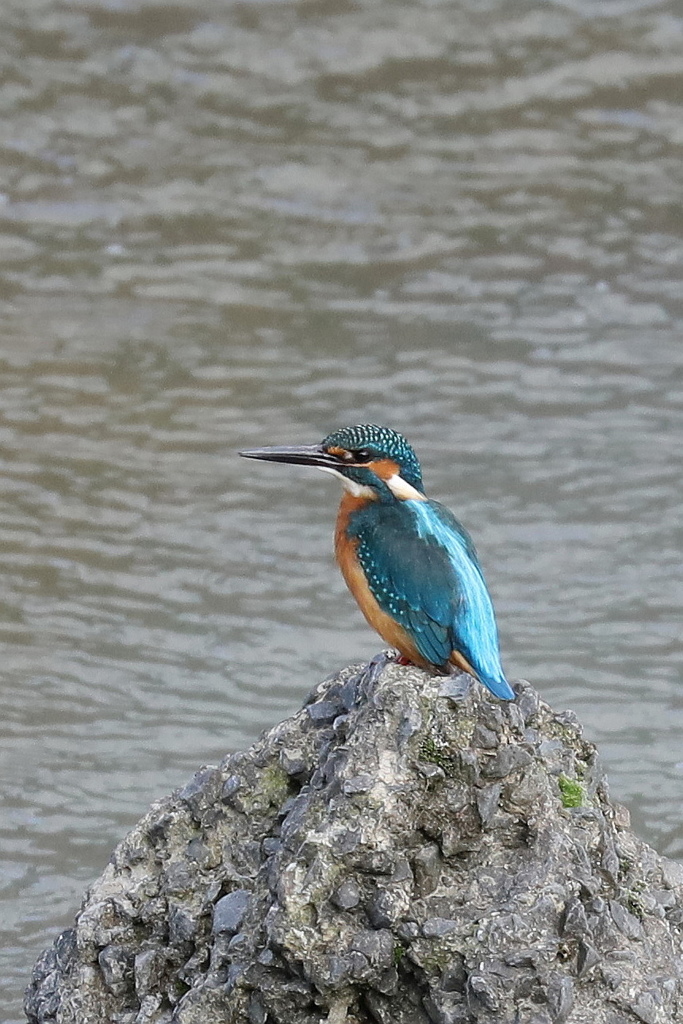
(224, 226)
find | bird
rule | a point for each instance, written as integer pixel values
(409, 563)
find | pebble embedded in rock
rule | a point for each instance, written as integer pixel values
(437, 927)
(347, 895)
(202, 791)
(323, 711)
(508, 759)
(377, 946)
(487, 802)
(229, 912)
(625, 921)
(357, 784)
(117, 964)
(560, 996)
(575, 920)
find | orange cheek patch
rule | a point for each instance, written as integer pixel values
(384, 468)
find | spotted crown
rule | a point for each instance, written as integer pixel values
(384, 443)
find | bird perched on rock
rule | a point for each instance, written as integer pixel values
(409, 563)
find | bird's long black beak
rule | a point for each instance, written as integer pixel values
(295, 455)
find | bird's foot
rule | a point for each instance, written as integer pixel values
(400, 659)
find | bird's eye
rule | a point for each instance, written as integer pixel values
(362, 454)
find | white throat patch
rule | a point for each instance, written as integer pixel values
(400, 488)
(357, 490)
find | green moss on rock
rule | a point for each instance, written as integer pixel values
(572, 792)
(437, 753)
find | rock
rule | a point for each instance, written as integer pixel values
(437, 927)
(347, 895)
(323, 711)
(229, 912)
(116, 964)
(625, 921)
(401, 851)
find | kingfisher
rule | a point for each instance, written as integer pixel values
(409, 563)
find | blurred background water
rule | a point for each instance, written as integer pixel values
(233, 224)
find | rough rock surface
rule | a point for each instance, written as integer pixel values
(392, 853)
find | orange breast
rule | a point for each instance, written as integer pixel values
(345, 551)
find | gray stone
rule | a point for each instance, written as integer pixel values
(645, 1008)
(410, 724)
(347, 895)
(293, 761)
(377, 946)
(456, 687)
(407, 931)
(199, 852)
(323, 711)
(586, 957)
(575, 920)
(357, 784)
(116, 964)
(229, 911)
(387, 907)
(481, 994)
(182, 925)
(348, 694)
(560, 996)
(339, 725)
(672, 873)
(357, 966)
(483, 737)
(487, 802)
(414, 864)
(675, 915)
(569, 720)
(230, 787)
(148, 969)
(625, 920)
(437, 927)
(528, 701)
(664, 897)
(427, 867)
(384, 1011)
(202, 791)
(507, 760)
(270, 845)
(454, 976)
(256, 1012)
(444, 1008)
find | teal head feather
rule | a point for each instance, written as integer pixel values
(367, 443)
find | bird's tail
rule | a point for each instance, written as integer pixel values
(497, 684)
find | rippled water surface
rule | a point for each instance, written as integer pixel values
(226, 225)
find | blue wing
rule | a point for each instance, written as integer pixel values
(422, 569)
